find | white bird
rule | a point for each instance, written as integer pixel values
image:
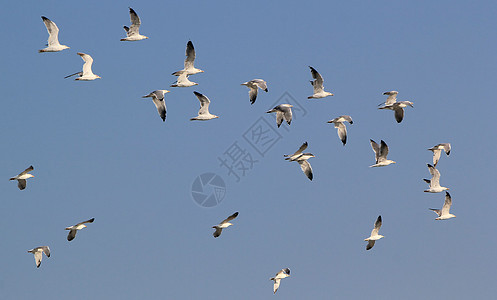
(283, 111)
(435, 181)
(87, 73)
(342, 130)
(189, 68)
(183, 81)
(283, 273)
(317, 84)
(381, 153)
(437, 150)
(21, 178)
(443, 214)
(203, 112)
(158, 99)
(374, 234)
(302, 158)
(38, 252)
(53, 38)
(74, 229)
(224, 224)
(133, 31)
(254, 85)
(398, 107)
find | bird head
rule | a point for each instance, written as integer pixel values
(98, 76)
(29, 175)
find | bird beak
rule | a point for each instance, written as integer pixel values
(291, 105)
(329, 122)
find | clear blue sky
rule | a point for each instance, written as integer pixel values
(100, 150)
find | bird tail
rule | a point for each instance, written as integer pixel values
(272, 278)
(13, 178)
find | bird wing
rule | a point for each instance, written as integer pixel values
(88, 62)
(435, 179)
(38, 257)
(377, 226)
(392, 98)
(279, 118)
(77, 73)
(204, 103)
(160, 104)
(190, 56)
(72, 234)
(261, 84)
(276, 285)
(253, 94)
(87, 221)
(447, 204)
(383, 150)
(446, 147)
(135, 23)
(21, 184)
(306, 168)
(301, 149)
(436, 156)
(218, 231)
(348, 119)
(376, 149)
(53, 31)
(342, 132)
(29, 169)
(437, 211)
(46, 250)
(318, 82)
(229, 218)
(399, 114)
(287, 113)
(370, 244)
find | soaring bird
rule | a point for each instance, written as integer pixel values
(133, 32)
(53, 38)
(87, 73)
(21, 178)
(189, 68)
(74, 229)
(381, 153)
(283, 273)
(158, 99)
(224, 224)
(203, 112)
(302, 158)
(342, 130)
(435, 181)
(437, 150)
(38, 252)
(283, 111)
(398, 107)
(254, 85)
(443, 214)
(374, 234)
(183, 81)
(317, 84)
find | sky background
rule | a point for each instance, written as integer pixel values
(100, 150)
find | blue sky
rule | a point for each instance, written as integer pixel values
(100, 150)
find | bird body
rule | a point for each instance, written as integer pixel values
(254, 85)
(87, 73)
(317, 85)
(53, 38)
(283, 111)
(133, 32)
(381, 153)
(183, 81)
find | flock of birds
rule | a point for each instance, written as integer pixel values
(283, 112)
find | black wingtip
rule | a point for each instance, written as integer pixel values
(266, 90)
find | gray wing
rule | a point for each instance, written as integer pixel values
(287, 271)
(261, 84)
(77, 73)
(306, 168)
(447, 204)
(376, 149)
(21, 184)
(287, 113)
(204, 103)
(72, 234)
(46, 250)
(279, 118)
(437, 211)
(252, 94)
(370, 244)
(160, 104)
(53, 31)
(29, 169)
(348, 119)
(88, 62)
(190, 56)
(377, 226)
(435, 179)
(318, 82)
(135, 23)
(399, 114)
(218, 231)
(38, 258)
(446, 147)
(230, 218)
(383, 150)
(276, 285)
(87, 221)
(392, 97)
(436, 156)
(342, 132)
(301, 149)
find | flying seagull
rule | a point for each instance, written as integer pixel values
(133, 32)
(435, 181)
(87, 74)
(158, 98)
(21, 178)
(437, 150)
(443, 214)
(189, 68)
(302, 158)
(53, 38)
(74, 229)
(224, 224)
(254, 85)
(38, 254)
(374, 234)
(397, 107)
(183, 81)
(283, 273)
(283, 111)
(381, 153)
(203, 112)
(342, 130)
(317, 84)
